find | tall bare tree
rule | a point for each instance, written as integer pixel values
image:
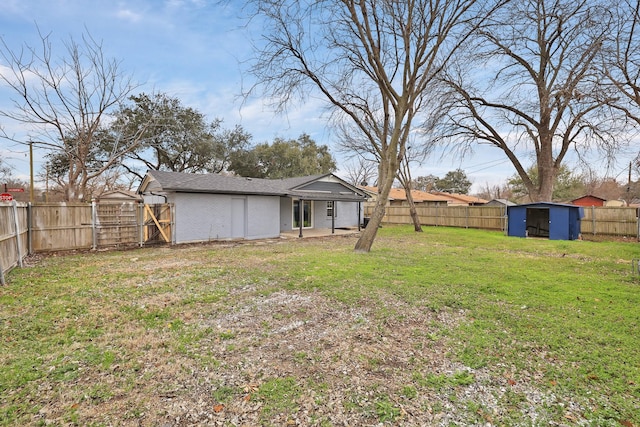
(622, 62)
(545, 95)
(371, 60)
(63, 102)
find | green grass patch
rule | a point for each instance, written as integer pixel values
(279, 396)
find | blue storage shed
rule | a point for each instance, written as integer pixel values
(555, 221)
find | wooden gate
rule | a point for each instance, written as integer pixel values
(116, 224)
(157, 221)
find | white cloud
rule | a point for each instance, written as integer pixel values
(129, 15)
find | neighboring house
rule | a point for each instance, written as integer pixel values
(499, 202)
(589, 200)
(455, 199)
(119, 196)
(218, 207)
(615, 203)
(398, 197)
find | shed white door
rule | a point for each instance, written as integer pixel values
(238, 217)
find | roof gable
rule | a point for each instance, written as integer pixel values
(119, 195)
(589, 197)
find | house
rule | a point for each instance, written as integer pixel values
(455, 199)
(499, 203)
(398, 197)
(589, 200)
(119, 196)
(218, 207)
(555, 221)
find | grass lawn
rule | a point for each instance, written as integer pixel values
(445, 327)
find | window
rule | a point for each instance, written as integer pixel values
(331, 209)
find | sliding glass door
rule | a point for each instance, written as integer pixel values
(307, 217)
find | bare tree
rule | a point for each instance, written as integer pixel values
(496, 191)
(63, 102)
(545, 95)
(361, 171)
(622, 62)
(5, 170)
(372, 61)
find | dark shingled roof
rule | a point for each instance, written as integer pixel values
(221, 184)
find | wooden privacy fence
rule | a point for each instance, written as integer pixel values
(602, 221)
(27, 229)
(13, 237)
(610, 221)
(484, 217)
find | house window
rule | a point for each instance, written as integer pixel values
(307, 220)
(331, 209)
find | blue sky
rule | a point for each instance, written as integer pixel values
(193, 50)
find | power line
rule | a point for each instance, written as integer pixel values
(486, 165)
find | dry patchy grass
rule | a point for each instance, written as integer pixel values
(251, 334)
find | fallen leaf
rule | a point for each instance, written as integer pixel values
(218, 408)
(626, 423)
(251, 387)
(247, 397)
(570, 416)
(511, 382)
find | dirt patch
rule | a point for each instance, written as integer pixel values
(341, 358)
(339, 365)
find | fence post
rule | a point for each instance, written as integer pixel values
(30, 229)
(505, 220)
(94, 232)
(593, 219)
(16, 222)
(140, 219)
(467, 217)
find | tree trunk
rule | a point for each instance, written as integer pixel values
(367, 237)
(386, 173)
(546, 169)
(412, 211)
